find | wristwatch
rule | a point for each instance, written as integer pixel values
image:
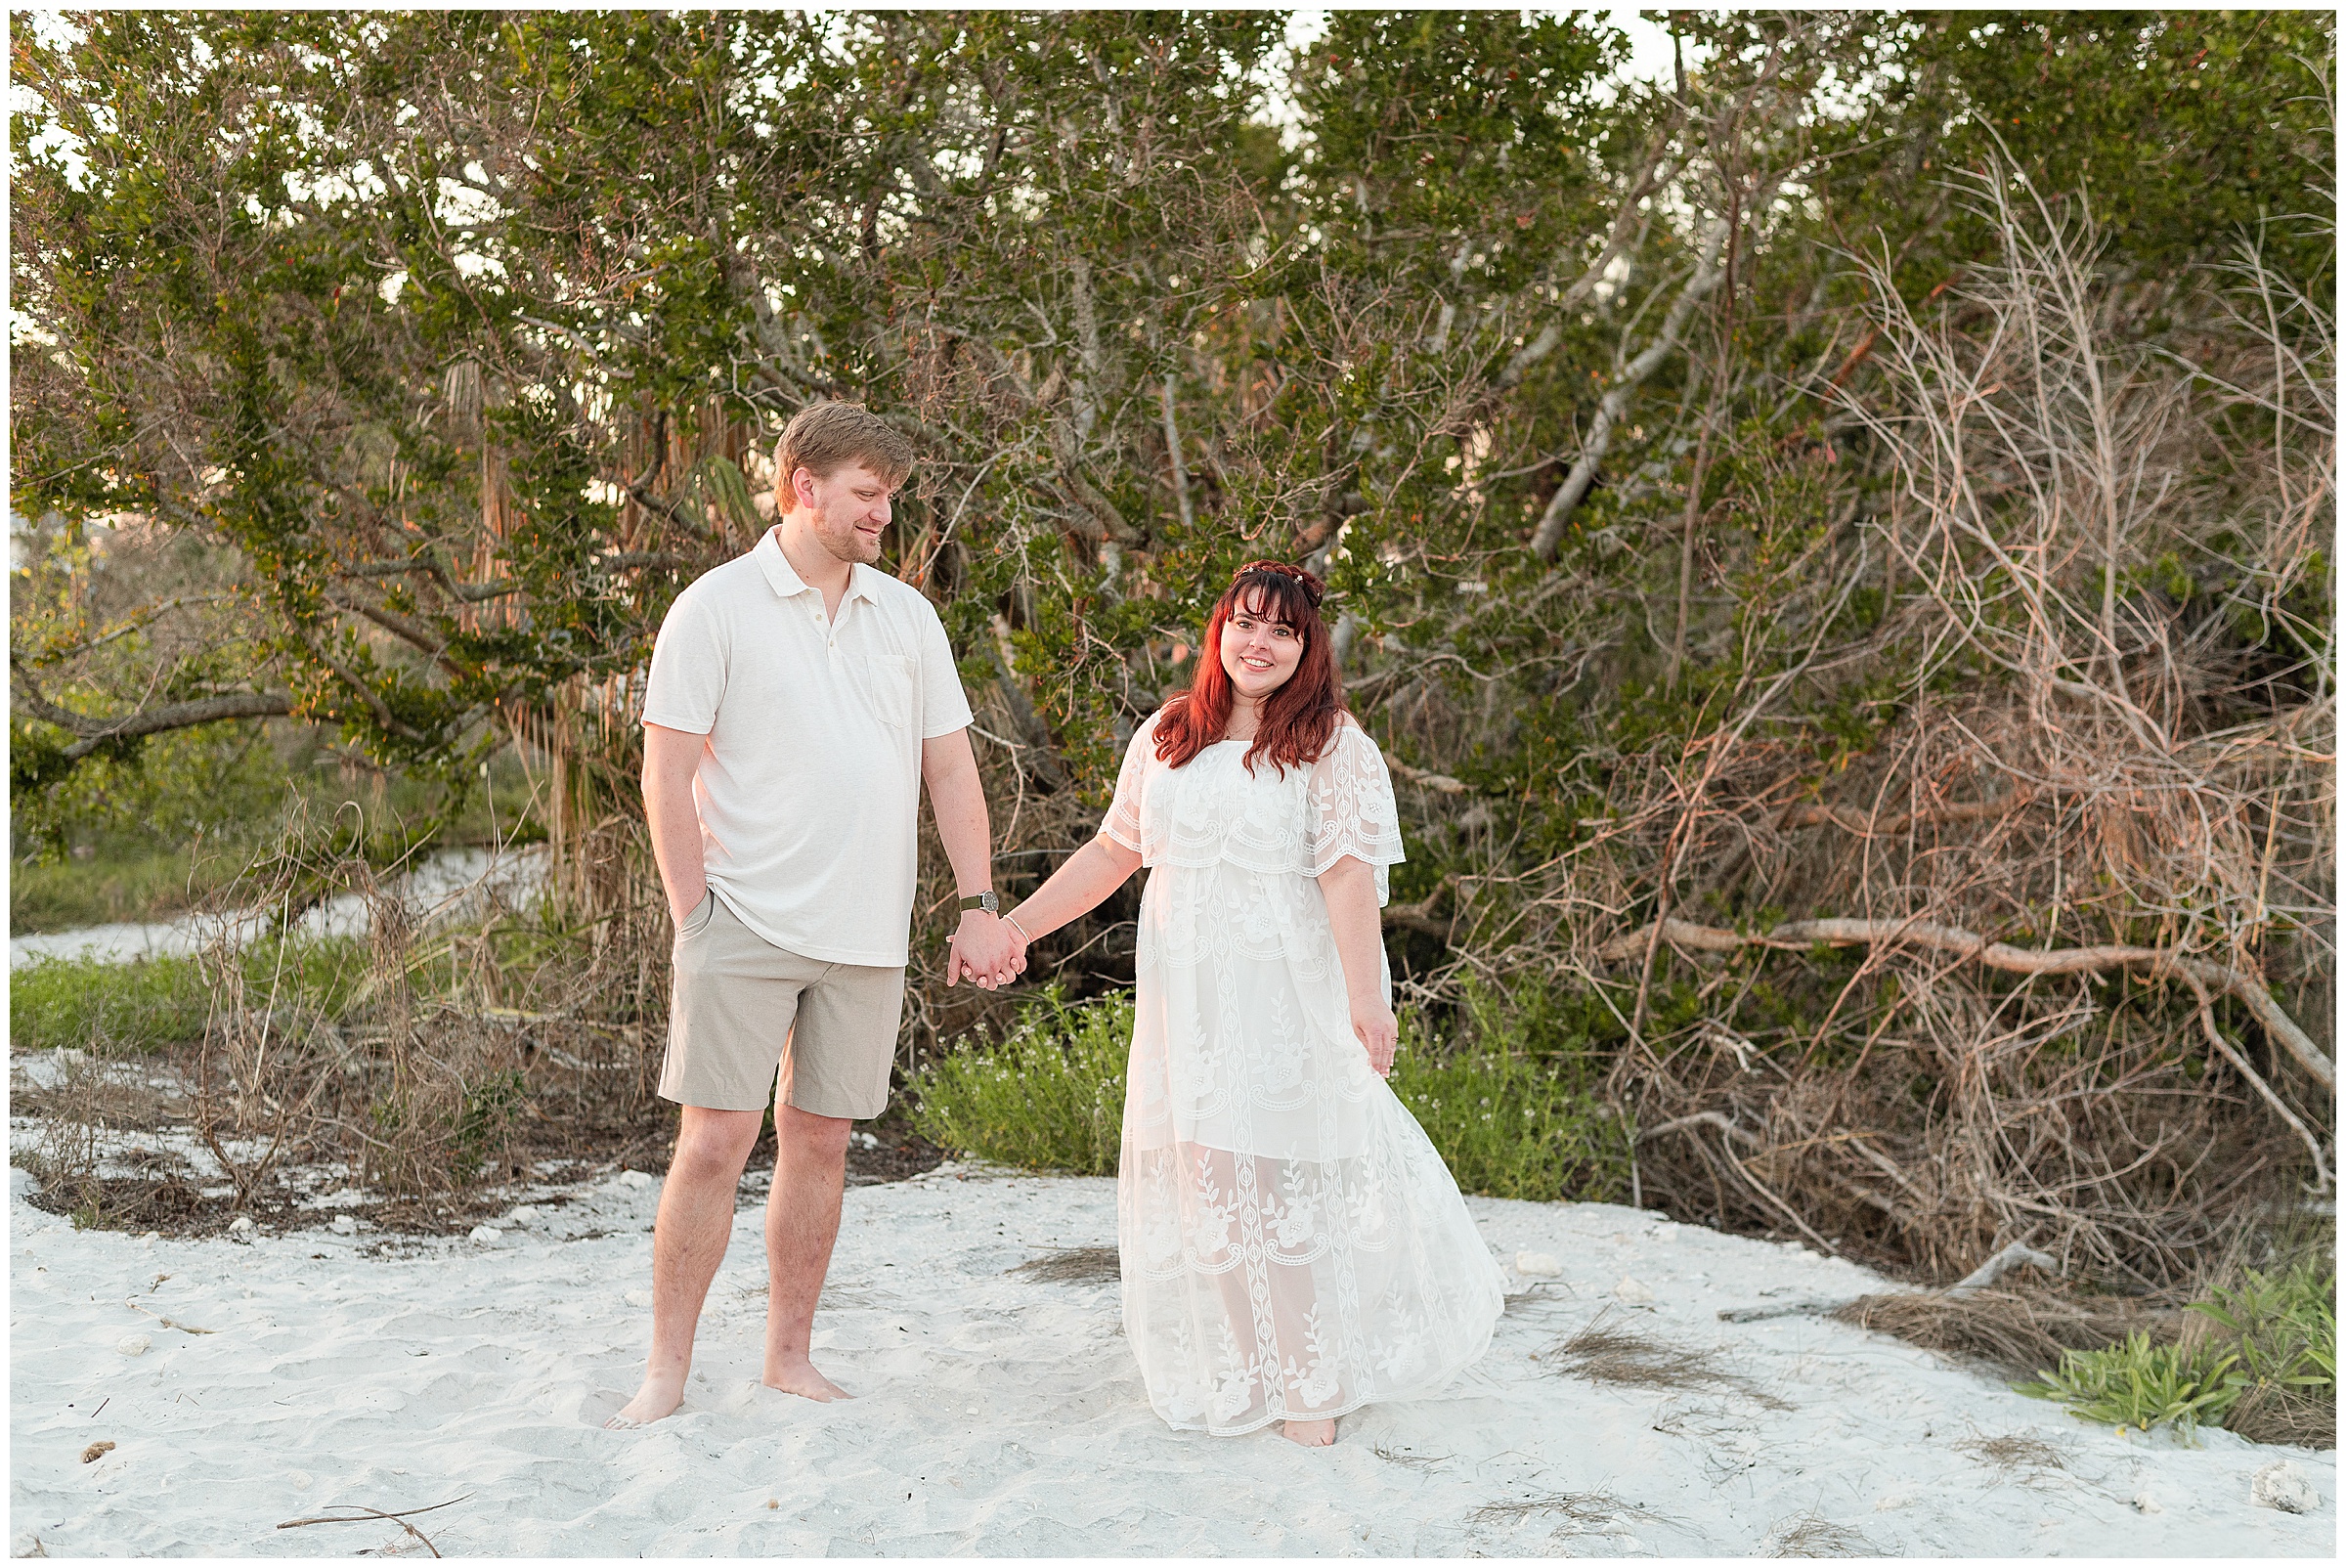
(983, 900)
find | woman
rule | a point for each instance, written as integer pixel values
(1292, 1245)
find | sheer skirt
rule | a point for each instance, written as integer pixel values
(1292, 1245)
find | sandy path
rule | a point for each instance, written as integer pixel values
(1001, 1415)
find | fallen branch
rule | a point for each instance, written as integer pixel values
(1995, 1268)
(1980, 1279)
(2246, 990)
(1442, 782)
(2239, 1065)
(365, 1513)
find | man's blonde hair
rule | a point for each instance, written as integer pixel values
(825, 437)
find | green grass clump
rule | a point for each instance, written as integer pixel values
(148, 1003)
(2275, 1342)
(74, 1001)
(118, 883)
(1511, 1101)
(1048, 1096)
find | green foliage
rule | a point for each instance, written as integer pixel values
(489, 1108)
(2142, 1385)
(1510, 1100)
(146, 1003)
(120, 882)
(2285, 1327)
(1048, 1096)
(2280, 1334)
(149, 1003)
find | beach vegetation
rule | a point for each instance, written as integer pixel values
(2263, 1363)
(1048, 1095)
(1513, 1098)
(1836, 539)
(151, 1004)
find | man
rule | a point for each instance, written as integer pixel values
(797, 700)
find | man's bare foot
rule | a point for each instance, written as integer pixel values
(655, 1401)
(1311, 1434)
(799, 1376)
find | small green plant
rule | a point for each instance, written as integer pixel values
(1510, 1101)
(1048, 1096)
(2284, 1328)
(490, 1106)
(2275, 1343)
(2142, 1385)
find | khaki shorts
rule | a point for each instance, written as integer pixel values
(744, 1009)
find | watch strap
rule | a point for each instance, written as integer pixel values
(985, 900)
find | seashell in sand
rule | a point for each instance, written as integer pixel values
(522, 1214)
(96, 1452)
(2281, 1485)
(1538, 1265)
(636, 1178)
(241, 1225)
(132, 1344)
(487, 1233)
(343, 1225)
(1634, 1293)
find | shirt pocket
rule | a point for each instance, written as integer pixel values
(888, 676)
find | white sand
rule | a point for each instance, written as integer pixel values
(1001, 1415)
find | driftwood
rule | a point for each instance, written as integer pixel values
(2246, 990)
(1980, 1279)
(1994, 1269)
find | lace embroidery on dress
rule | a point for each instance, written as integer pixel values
(1292, 1245)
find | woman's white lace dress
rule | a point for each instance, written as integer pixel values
(1292, 1245)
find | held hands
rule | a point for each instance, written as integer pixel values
(987, 951)
(1374, 1027)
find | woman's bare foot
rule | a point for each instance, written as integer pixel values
(655, 1399)
(796, 1376)
(1311, 1434)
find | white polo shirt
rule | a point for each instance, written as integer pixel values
(808, 789)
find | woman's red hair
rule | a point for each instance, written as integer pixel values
(1300, 718)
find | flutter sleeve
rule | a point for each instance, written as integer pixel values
(1123, 820)
(1353, 812)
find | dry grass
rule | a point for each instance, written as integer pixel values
(1609, 1353)
(2014, 1332)
(2290, 1416)
(2013, 1453)
(1600, 1507)
(1815, 1536)
(1074, 1265)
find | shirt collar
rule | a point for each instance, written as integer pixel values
(785, 580)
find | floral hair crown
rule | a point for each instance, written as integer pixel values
(1313, 588)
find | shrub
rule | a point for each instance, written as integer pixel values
(1049, 1096)
(1510, 1100)
(2138, 1384)
(2270, 1361)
